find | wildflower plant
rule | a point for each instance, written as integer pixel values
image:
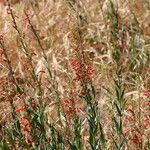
(74, 75)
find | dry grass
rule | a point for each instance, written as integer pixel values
(66, 27)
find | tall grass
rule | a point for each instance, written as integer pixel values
(74, 75)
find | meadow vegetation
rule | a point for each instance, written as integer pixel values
(74, 75)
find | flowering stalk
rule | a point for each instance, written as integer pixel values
(16, 125)
(38, 126)
(51, 80)
(25, 48)
(84, 74)
(11, 72)
(118, 45)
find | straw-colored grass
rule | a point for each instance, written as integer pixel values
(57, 24)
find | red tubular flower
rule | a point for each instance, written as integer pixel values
(24, 123)
(8, 100)
(69, 111)
(137, 139)
(82, 71)
(29, 141)
(148, 103)
(20, 109)
(74, 64)
(26, 129)
(147, 93)
(134, 139)
(1, 82)
(66, 102)
(146, 122)
(45, 143)
(76, 78)
(33, 103)
(69, 108)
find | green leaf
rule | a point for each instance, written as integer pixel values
(119, 110)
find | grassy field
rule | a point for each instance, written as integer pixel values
(74, 75)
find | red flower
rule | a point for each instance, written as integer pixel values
(66, 103)
(83, 71)
(147, 93)
(69, 111)
(74, 64)
(26, 129)
(76, 78)
(24, 123)
(29, 141)
(1, 82)
(2, 1)
(134, 138)
(33, 103)
(45, 143)
(8, 100)
(147, 103)
(20, 109)
(146, 122)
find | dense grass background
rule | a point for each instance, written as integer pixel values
(74, 75)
